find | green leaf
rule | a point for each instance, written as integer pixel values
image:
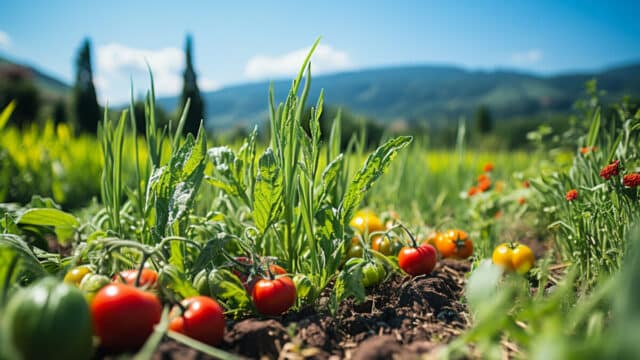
(202, 347)
(592, 137)
(159, 330)
(331, 172)
(18, 264)
(64, 223)
(229, 290)
(6, 114)
(227, 170)
(267, 203)
(375, 165)
(173, 187)
(348, 284)
(173, 279)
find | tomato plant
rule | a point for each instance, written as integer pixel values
(454, 244)
(200, 318)
(76, 274)
(48, 320)
(148, 277)
(124, 316)
(274, 296)
(513, 257)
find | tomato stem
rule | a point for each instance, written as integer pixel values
(414, 244)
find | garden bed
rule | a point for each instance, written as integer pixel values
(401, 316)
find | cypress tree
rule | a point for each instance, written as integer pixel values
(191, 91)
(484, 121)
(85, 102)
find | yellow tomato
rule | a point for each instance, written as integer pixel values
(366, 221)
(514, 257)
(75, 275)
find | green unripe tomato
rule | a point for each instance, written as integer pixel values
(372, 274)
(355, 251)
(91, 284)
(48, 320)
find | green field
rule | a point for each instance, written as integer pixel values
(213, 219)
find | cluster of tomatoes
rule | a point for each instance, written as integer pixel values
(416, 258)
(420, 257)
(130, 297)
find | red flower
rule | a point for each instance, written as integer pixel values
(522, 200)
(484, 185)
(571, 195)
(610, 170)
(488, 167)
(472, 191)
(482, 177)
(526, 184)
(586, 150)
(631, 180)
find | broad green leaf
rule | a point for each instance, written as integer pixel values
(267, 202)
(18, 264)
(227, 172)
(6, 114)
(229, 290)
(348, 284)
(375, 165)
(64, 223)
(175, 280)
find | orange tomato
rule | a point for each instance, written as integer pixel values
(454, 244)
(432, 238)
(513, 257)
(366, 221)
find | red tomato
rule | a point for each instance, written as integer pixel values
(274, 297)
(203, 320)
(124, 316)
(148, 278)
(417, 261)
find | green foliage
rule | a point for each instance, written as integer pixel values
(483, 120)
(17, 88)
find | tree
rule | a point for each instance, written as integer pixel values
(59, 112)
(16, 84)
(484, 122)
(191, 91)
(86, 108)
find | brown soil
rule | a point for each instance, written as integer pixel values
(401, 318)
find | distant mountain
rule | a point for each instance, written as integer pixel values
(435, 94)
(50, 88)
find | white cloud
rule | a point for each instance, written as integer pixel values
(324, 59)
(117, 64)
(528, 57)
(5, 40)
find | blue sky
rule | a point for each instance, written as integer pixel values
(241, 41)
